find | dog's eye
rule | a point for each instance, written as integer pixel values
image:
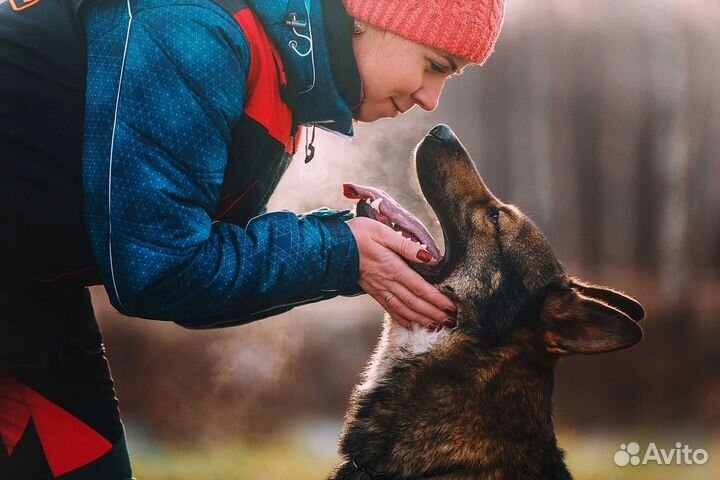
(494, 215)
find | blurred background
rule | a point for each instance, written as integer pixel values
(601, 120)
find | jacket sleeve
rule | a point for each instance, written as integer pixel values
(164, 88)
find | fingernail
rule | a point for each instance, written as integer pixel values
(451, 310)
(449, 322)
(424, 256)
(350, 192)
(434, 327)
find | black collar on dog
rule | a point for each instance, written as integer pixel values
(375, 475)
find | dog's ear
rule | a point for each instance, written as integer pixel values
(626, 304)
(574, 323)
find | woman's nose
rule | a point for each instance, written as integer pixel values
(428, 96)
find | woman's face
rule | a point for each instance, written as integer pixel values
(397, 74)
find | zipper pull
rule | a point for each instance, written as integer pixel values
(292, 21)
(309, 147)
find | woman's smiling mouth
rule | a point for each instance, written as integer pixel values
(399, 110)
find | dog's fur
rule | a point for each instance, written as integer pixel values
(474, 402)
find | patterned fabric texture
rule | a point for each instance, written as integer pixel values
(465, 28)
(166, 85)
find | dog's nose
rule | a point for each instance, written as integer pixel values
(442, 132)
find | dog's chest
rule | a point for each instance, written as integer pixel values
(396, 344)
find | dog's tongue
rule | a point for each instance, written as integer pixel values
(380, 206)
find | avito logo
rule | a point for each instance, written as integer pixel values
(629, 454)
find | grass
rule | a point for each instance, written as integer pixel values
(238, 460)
(589, 456)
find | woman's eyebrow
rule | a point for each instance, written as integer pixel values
(453, 65)
(451, 61)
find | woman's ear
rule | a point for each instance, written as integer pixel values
(574, 323)
(626, 304)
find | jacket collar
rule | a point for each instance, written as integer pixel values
(302, 32)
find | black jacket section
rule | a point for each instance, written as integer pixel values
(42, 92)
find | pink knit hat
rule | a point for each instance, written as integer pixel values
(464, 28)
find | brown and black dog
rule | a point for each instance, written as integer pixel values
(475, 402)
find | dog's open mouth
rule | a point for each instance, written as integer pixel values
(378, 205)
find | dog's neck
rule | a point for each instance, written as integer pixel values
(442, 404)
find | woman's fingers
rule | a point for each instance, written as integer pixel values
(405, 307)
(402, 321)
(404, 315)
(422, 290)
(407, 249)
(431, 315)
(383, 272)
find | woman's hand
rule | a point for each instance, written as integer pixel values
(401, 291)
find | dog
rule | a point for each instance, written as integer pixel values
(475, 401)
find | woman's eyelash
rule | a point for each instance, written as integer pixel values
(437, 67)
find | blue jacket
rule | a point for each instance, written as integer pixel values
(166, 86)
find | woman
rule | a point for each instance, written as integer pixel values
(185, 115)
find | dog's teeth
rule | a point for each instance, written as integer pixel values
(422, 245)
(376, 203)
(367, 200)
(398, 232)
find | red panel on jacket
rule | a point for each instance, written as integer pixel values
(264, 103)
